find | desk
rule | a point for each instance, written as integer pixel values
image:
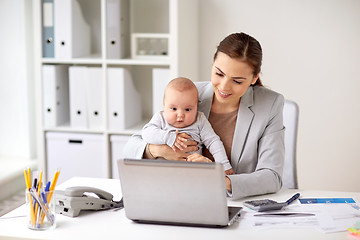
(113, 224)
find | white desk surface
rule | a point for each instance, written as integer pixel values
(110, 224)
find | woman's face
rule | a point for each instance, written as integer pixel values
(230, 78)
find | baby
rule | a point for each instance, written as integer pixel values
(180, 115)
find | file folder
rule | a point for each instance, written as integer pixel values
(124, 102)
(72, 32)
(94, 97)
(48, 28)
(117, 34)
(78, 99)
(55, 95)
(160, 78)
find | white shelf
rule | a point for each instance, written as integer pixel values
(94, 60)
(129, 131)
(99, 61)
(140, 62)
(177, 19)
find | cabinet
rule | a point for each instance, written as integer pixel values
(110, 50)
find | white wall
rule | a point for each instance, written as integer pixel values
(16, 81)
(312, 56)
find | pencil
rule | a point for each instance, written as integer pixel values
(29, 177)
(53, 183)
(26, 179)
(39, 186)
(28, 186)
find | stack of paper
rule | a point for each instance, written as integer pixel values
(323, 217)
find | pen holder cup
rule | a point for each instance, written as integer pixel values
(40, 209)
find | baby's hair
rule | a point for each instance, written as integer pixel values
(181, 84)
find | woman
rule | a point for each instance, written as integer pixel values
(246, 116)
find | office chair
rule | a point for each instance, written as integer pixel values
(291, 117)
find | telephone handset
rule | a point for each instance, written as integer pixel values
(80, 191)
(74, 199)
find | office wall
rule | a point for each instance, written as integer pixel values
(312, 56)
(16, 81)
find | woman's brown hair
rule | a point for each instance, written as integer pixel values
(244, 47)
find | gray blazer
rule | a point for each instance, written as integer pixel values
(257, 154)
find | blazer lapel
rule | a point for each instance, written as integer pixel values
(244, 119)
(205, 100)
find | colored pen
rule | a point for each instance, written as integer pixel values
(293, 198)
(47, 188)
(35, 183)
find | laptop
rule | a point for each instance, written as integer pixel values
(175, 193)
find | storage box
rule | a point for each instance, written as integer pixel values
(117, 145)
(150, 45)
(76, 155)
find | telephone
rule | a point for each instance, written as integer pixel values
(74, 199)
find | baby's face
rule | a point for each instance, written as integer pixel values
(180, 108)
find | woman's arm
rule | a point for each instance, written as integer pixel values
(270, 158)
(136, 148)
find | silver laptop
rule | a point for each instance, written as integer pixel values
(173, 192)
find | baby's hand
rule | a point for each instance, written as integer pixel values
(179, 144)
(195, 157)
(229, 172)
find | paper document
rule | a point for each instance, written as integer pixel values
(326, 218)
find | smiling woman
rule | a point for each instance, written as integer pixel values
(244, 48)
(246, 116)
(230, 78)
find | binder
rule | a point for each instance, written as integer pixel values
(117, 32)
(78, 99)
(160, 78)
(71, 33)
(55, 95)
(124, 102)
(94, 97)
(48, 28)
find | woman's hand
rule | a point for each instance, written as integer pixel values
(228, 184)
(195, 157)
(164, 151)
(229, 172)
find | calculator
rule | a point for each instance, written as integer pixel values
(264, 205)
(269, 205)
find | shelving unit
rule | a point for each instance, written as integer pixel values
(176, 19)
